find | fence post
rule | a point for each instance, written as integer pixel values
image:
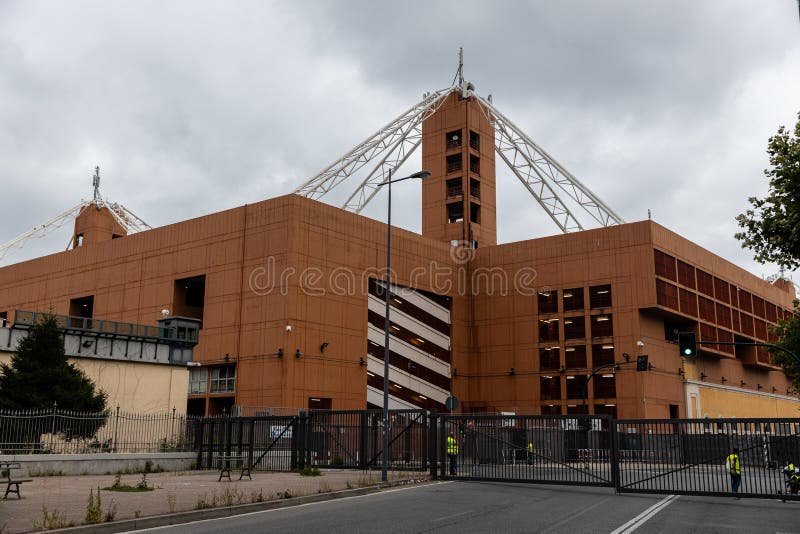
(251, 443)
(116, 427)
(425, 422)
(53, 425)
(432, 446)
(614, 445)
(172, 426)
(198, 441)
(362, 442)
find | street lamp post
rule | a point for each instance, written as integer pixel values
(385, 455)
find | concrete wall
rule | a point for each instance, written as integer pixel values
(135, 387)
(99, 464)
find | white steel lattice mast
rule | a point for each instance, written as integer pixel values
(122, 215)
(544, 177)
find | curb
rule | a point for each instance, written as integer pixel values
(229, 511)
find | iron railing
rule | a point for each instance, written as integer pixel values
(61, 431)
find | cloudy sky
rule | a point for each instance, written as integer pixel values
(194, 107)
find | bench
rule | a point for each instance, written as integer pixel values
(12, 483)
(227, 460)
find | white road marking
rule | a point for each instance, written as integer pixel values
(285, 508)
(642, 518)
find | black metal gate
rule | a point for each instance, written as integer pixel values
(574, 450)
(335, 439)
(688, 456)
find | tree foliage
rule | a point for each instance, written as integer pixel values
(788, 332)
(40, 377)
(771, 228)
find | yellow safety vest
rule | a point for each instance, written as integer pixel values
(733, 464)
(452, 446)
(530, 446)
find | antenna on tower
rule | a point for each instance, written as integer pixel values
(96, 184)
(460, 65)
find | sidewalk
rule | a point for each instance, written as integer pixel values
(66, 497)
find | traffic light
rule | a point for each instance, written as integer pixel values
(687, 344)
(642, 363)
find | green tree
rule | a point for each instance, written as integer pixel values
(771, 228)
(39, 376)
(788, 332)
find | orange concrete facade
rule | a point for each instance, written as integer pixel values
(290, 319)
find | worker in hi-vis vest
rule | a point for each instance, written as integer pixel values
(735, 469)
(530, 452)
(452, 453)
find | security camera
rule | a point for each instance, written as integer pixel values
(288, 328)
(165, 312)
(640, 343)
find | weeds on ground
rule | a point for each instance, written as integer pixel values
(202, 502)
(94, 510)
(309, 471)
(256, 497)
(324, 487)
(52, 520)
(119, 486)
(230, 496)
(111, 512)
(171, 502)
(137, 514)
(285, 494)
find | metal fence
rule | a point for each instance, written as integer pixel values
(544, 449)
(62, 431)
(350, 439)
(688, 456)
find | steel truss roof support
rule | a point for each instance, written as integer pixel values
(535, 167)
(390, 137)
(540, 173)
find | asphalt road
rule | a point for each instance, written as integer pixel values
(461, 507)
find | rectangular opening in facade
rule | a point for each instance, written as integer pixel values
(550, 387)
(82, 307)
(602, 354)
(600, 296)
(320, 403)
(575, 386)
(189, 297)
(574, 327)
(454, 163)
(474, 164)
(548, 301)
(453, 139)
(549, 359)
(3, 319)
(548, 330)
(602, 325)
(551, 409)
(575, 357)
(455, 187)
(605, 386)
(474, 213)
(474, 141)
(474, 188)
(455, 212)
(573, 299)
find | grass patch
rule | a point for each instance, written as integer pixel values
(309, 471)
(139, 487)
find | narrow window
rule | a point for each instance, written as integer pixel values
(455, 212)
(453, 139)
(454, 163)
(454, 187)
